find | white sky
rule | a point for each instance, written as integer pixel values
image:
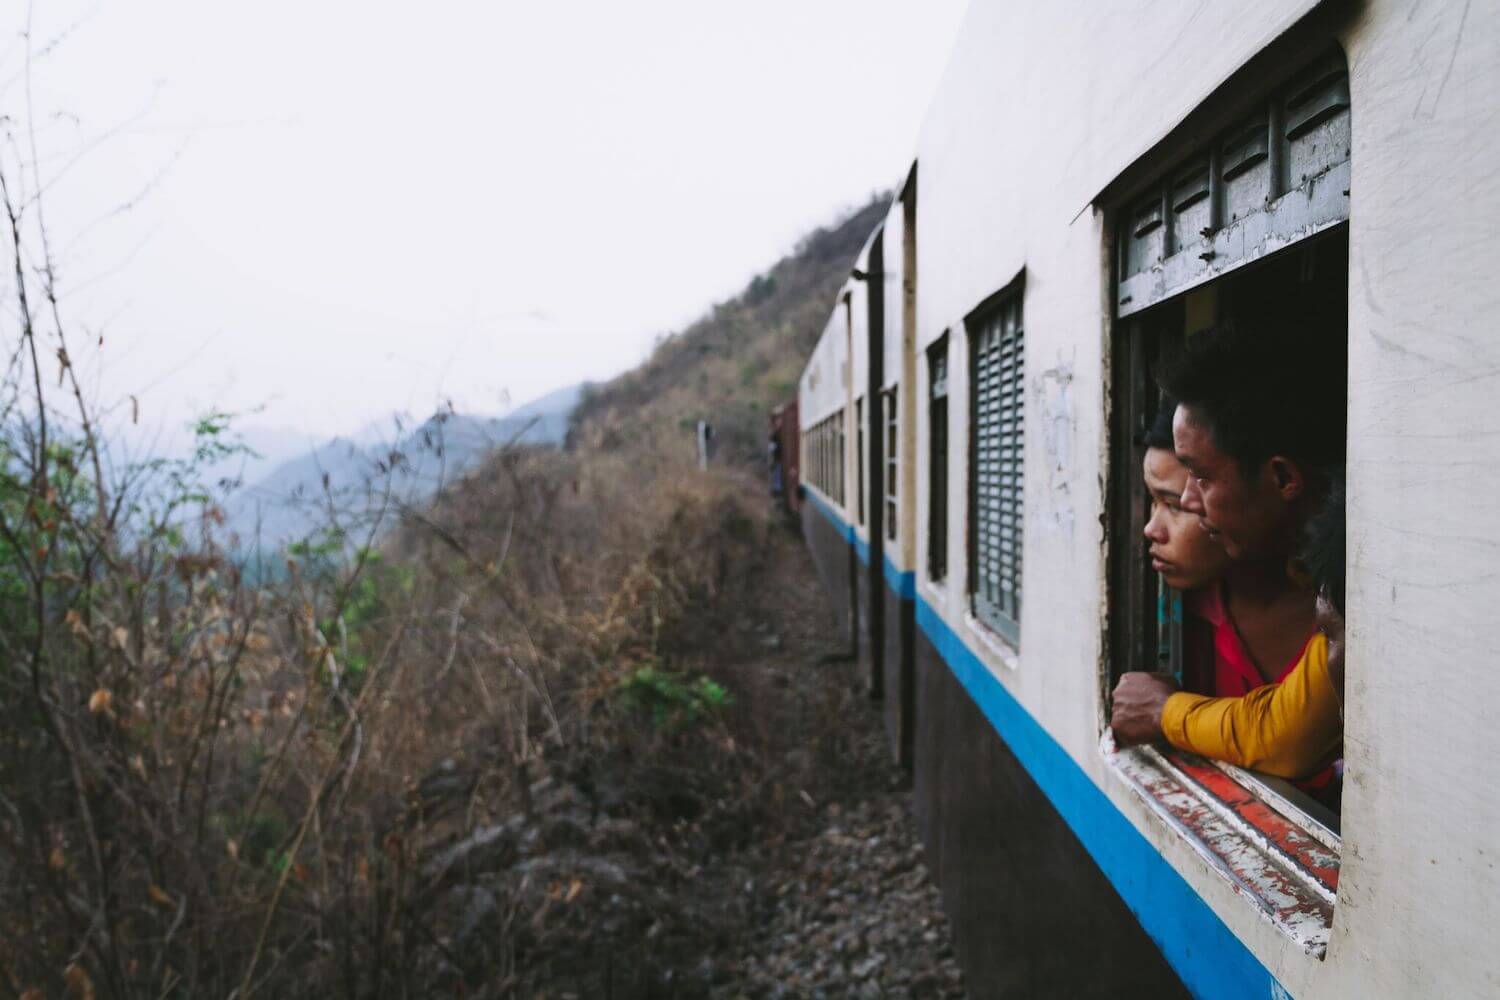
(356, 208)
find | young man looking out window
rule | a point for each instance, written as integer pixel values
(1294, 727)
(1253, 427)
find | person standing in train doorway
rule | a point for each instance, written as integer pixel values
(1255, 425)
(774, 458)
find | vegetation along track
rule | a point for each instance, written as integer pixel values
(579, 727)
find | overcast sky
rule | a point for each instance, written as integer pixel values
(336, 210)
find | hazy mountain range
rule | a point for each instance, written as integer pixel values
(353, 478)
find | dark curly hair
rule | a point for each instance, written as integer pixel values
(1263, 390)
(1324, 551)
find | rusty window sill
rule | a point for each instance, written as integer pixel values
(1280, 859)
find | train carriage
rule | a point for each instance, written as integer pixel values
(1093, 184)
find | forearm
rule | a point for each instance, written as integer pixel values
(1289, 729)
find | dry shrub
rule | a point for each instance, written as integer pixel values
(341, 778)
(217, 786)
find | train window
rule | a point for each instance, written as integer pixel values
(814, 457)
(1294, 817)
(996, 345)
(838, 447)
(825, 447)
(937, 459)
(892, 431)
(1252, 233)
(859, 458)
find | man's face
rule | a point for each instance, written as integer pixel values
(1181, 551)
(1246, 516)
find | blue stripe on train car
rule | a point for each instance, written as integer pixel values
(902, 582)
(1205, 953)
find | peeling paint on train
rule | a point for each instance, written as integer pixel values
(1053, 398)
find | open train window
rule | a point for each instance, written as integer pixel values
(892, 433)
(1248, 232)
(937, 460)
(840, 467)
(859, 458)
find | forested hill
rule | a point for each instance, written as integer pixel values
(738, 361)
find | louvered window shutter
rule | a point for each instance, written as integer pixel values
(998, 376)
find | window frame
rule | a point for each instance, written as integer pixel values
(825, 441)
(938, 428)
(1258, 832)
(859, 459)
(891, 417)
(840, 459)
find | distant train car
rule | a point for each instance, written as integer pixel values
(1094, 183)
(784, 458)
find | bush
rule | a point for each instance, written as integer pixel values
(672, 701)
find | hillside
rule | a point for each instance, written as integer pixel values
(736, 363)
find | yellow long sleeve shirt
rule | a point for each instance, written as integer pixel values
(1290, 729)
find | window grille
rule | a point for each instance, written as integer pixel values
(891, 433)
(997, 419)
(937, 461)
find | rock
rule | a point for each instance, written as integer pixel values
(926, 983)
(479, 904)
(613, 834)
(486, 849)
(558, 798)
(599, 873)
(562, 831)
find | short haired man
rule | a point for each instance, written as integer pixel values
(1260, 413)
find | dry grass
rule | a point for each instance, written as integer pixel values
(247, 794)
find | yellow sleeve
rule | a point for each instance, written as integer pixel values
(1290, 729)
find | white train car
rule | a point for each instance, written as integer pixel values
(1095, 181)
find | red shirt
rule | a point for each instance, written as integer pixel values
(1234, 672)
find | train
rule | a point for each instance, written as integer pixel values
(1092, 183)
